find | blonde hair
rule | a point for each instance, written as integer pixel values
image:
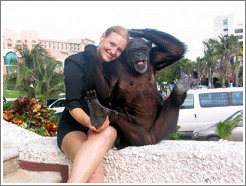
(119, 30)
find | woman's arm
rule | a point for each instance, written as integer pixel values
(80, 116)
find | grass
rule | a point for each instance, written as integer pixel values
(15, 94)
(12, 94)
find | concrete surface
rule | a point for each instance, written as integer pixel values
(166, 162)
(24, 176)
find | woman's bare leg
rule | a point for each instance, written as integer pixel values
(87, 159)
(72, 142)
(70, 146)
(98, 175)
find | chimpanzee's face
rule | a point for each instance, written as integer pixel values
(137, 54)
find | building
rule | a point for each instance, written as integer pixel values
(226, 25)
(57, 49)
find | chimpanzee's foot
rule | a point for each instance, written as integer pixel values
(98, 112)
(184, 82)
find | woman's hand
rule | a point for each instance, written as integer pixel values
(104, 126)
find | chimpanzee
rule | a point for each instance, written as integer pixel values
(143, 117)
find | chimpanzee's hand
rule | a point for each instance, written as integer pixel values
(185, 82)
(98, 112)
(136, 32)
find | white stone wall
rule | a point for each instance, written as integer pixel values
(166, 162)
(177, 162)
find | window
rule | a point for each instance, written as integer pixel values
(226, 29)
(225, 22)
(33, 41)
(18, 41)
(239, 30)
(237, 98)
(240, 124)
(240, 37)
(10, 59)
(60, 103)
(188, 102)
(214, 99)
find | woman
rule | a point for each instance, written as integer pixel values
(85, 145)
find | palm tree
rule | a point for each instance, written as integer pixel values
(49, 79)
(24, 81)
(237, 64)
(226, 49)
(210, 60)
(38, 73)
(201, 69)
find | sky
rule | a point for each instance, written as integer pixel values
(189, 21)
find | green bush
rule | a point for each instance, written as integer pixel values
(175, 135)
(6, 106)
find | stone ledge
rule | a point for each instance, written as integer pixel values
(10, 153)
(165, 162)
(24, 176)
(177, 162)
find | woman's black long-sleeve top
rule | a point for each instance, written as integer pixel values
(79, 72)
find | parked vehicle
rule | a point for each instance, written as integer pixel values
(209, 133)
(51, 100)
(4, 100)
(58, 105)
(203, 107)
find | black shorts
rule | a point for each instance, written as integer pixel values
(66, 125)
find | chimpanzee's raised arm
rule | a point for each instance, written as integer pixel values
(167, 49)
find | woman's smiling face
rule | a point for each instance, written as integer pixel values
(111, 47)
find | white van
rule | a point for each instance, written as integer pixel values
(207, 106)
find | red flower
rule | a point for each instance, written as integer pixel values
(52, 128)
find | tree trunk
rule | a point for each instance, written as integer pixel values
(236, 78)
(223, 82)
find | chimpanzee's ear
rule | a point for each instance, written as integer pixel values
(149, 43)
